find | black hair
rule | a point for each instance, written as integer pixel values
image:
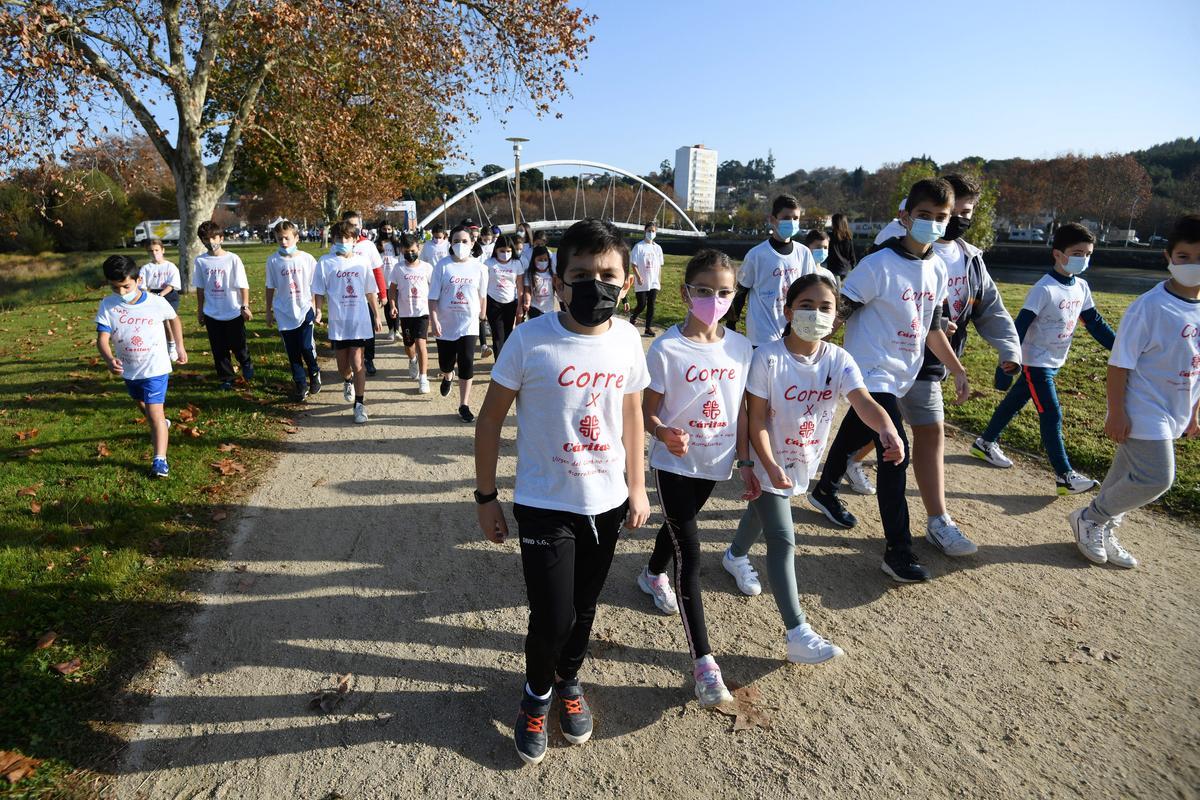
(208, 230)
(934, 190)
(591, 236)
(407, 240)
(531, 273)
(649, 225)
(803, 284)
(118, 268)
(815, 235)
(1071, 234)
(436, 229)
(782, 202)
(965, 187)
(462, 229)
(341, 230)
(285, 225)
(841, 228)
(706, 260)
(346, 215)
(1187, 229)
(505, 242)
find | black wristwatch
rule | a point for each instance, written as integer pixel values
(741, 462)
(484, 499)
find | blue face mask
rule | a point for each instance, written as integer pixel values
(129, 298)
(820, 254)
(1076, 264)
(787, 228)
(287, 251)
(340, 249)
(926, 231)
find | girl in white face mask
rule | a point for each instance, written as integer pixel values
(457, 303)
(792, 393)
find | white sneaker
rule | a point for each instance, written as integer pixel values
(348, 391)
(942, 533)
(856, 476)
(991, 453)
(710, 688)
(1074, 483)
(486, 352)
(391, 336)
(1089, 537)
(658, 587)
(412, 370)
(172, 351)
(806, 646)
(743, 573)
(423, 385)
(360, 413)
(1112, 546)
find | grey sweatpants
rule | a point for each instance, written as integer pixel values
(770, 515)
(1141, 472)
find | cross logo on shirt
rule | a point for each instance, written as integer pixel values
(136, 341)
(958, 306)
(807, 427)
(350, 289)
(915, 324)
(711, 409)
(589, 427)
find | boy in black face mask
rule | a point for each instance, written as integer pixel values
(579, 374)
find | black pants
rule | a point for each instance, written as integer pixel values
(225, 337)
(369, 350)
(457, 356)
(891, 479)
(644, 300)
(565, 558)
(301, 353)
(679, 540)
(393, 324)
(501, 317)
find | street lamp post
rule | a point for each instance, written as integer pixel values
(518, 217)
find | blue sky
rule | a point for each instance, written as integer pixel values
(853, 83)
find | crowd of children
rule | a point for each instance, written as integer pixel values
(713, 402)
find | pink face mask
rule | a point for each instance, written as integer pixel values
(708, 310)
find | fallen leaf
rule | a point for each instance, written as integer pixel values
(46, 640)
(227, 466)
(291, 430)
(327, 700)
(227, 447)
(319, 482)
(35, 507)
(67, 667)
(746, 709)
(139, 421)
(102, 450)
(240, 568)
(14, 766)
(218, 516)
(189, 414)
(23, 436)
(29, 491)
(190, 430)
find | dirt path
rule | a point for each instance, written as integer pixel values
(360, 554)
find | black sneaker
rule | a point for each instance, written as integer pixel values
(465, 414)
(248, 371)
(301, 393)
(444, 389)
(829, 504)
(529, 733)
(903, 566)
(574, 715)
(371, 367)
(314, 383)
(227, 386)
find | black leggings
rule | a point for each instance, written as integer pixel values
(501, 317)
(457, 355)
(227, 336)
(369, 350)
(644, 300)
(679, 540)
(565, 558)
(891, 478)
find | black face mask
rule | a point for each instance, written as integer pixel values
(956, 227)
(593, 302)
(410, 256)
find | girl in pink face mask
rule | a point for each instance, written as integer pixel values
(694, 413)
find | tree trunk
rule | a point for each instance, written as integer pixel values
(196, 205)
(333, 204)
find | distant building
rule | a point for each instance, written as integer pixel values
(696, 178)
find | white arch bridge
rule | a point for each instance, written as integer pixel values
(578, 201)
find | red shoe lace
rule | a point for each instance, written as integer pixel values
(535, 724)
(574, 705)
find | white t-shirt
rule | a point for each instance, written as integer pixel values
(702, 386)
(802, 395)
(648, 258)
(412, 287)
(570, 456)
(886, 337)
(369, 253)
(958, 289)
(435, 250)
(221, 278)
(390, 256)
(1058, 307)
(487, 250)
(136, 334)
(459, 289)
(502, 279)
(155, 276)
(1159, 343)
(890, 231)
(291, 277)
(541, 289)
(345, 283)
(767, 275)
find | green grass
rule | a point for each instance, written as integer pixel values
(100, 553)
(1080, 385)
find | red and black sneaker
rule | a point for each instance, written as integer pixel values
(574, 715)
(530, 730)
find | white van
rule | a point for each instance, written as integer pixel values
(165, 229)
(1027, 235)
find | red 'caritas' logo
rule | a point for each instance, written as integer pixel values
(806, 428)
(915, 324)
(589, 427)
(412, 292)
(136, 341)
(460, 297)
(350, 289)
(958, 306)
(711, 409)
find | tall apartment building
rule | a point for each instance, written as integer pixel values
(696, 178)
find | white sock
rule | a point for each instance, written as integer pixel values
(530, 692)
(704, 661)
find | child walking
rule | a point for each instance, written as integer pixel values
(161, 277)
(694, 414)
(536, 286)
(647, 261)
(408, 287)
(577, 378)
(388, 244)
(504, 270)
(131, 339)
(222, 303)
(793, 390)
(1046, 324)
(457, 304)
(1153, 398)
(365, 249)
(289, 298)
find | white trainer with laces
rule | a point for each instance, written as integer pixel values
(423, 385)
(360, 413)
(806, 646)
(658, 587)
(856, 476)
(710, 687)
(1089, 537)
(942, 533)
(1074, 483)
(991, 453)
(412, 369)
(743, 573)
(348, 391)
(1117, 554)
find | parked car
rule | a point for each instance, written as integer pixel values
(1158, 241)
(1027, 235)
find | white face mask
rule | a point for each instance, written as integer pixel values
(503, 256)
(650, 236)
(131, 296)
(462, 250)
(812, 325)
(1186, 274)
(1076, 265)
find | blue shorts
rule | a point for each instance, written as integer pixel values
(151, 391)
